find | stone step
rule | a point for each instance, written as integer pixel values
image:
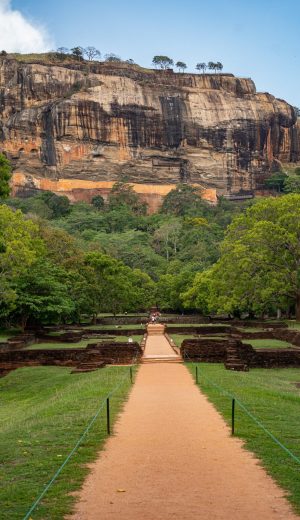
(237, 366)
(88, 367)
(167, 359)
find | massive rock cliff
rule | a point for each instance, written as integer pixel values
(77, 128)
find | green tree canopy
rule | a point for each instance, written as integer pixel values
(20, 247)
(98, 202)
(292, 184)
(181, 65)
(201, 67)
(162, 61)
(122, 194)
(259, 268)
(43, 294)
(183, 200)
(5, 173)
(276, 181)
(78, 52)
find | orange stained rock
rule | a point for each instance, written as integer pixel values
(151, 193)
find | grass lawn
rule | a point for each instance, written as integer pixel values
(292, 324)
(178, 338)
(43, 413)
(122, 315)
(272, 396)
(250, 329)
(83, 343)
(267, 343)
(116, 327)
(213, 325)
(5, 334)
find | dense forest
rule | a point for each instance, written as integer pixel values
(67, 262)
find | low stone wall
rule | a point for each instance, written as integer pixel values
(258, 324)
(119, 353)
(254, 335)
(275, 358)
(64, 337)
(205, 350)
(290, 335)
(215, 351)
(193, 318)
(209, 330)
(99, 354)
(21, 341)
(114, 332)
(126, 320)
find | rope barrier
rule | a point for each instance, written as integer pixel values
(89, 426)
(250, 414)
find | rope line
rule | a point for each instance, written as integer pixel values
(89, 426)
(250, 414)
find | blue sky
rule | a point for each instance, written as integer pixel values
(257, 39)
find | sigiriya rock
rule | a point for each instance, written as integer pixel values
(76, 128)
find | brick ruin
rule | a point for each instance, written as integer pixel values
(225, 346)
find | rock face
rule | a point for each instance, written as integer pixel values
(76, 129)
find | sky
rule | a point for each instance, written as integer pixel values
(252, 38)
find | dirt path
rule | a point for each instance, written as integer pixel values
(173, 458)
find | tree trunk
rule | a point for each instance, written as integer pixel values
(278, 314)
(23, 323)
(298, 306)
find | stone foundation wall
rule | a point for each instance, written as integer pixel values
(215, 351)
(208, 351)
(258, 324)
(115, 353)
(275, 358)
(124, 320)
(209, 330)
(111, 353)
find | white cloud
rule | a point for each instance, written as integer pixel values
(17, 34)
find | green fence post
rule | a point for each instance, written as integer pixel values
(108, 416)
(131, 376)
(232, 416)
(197, 379)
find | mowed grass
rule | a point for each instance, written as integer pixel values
(83, 343)
(43, 413)
(178, 338)
(212, 325)
(250, 329)
(5, 334)
(272, 396)
(112, 327)
(292, 324)
(267, 343)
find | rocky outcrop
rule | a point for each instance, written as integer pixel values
(76, 129)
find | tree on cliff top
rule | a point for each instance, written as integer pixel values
(181, 66)
(201, 67)
(77, 52)
(92, 53)
(162, 61)
(5, 172)
(215, 66)
(112, 57)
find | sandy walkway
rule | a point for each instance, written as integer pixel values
(173, 455)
